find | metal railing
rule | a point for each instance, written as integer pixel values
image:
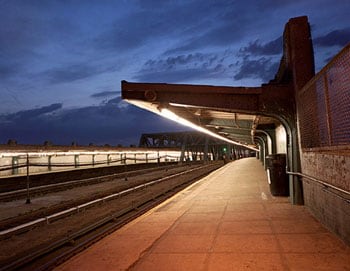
(338, 192)
(38, 162)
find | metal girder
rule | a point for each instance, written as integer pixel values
(264, 100)
(176, 140)
(193, 142)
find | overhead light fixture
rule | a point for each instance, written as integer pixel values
(166, 113)
(172, 116)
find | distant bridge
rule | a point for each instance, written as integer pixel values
(194, 142)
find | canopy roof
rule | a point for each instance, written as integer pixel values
(228, 113)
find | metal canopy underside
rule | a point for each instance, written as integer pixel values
(231, 112)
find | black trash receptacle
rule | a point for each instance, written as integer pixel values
(277, 176)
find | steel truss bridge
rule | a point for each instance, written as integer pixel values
(200, 146)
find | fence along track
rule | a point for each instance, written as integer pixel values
(22, 160)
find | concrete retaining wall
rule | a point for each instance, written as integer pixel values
(326, 204)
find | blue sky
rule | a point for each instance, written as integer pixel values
(61, 62)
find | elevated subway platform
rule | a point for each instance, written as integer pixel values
(226, 221)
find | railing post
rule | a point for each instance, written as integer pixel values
(49, 163)
(76, 160)
(28, 194)
(14, 165)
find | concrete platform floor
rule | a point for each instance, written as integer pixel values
(226, 221)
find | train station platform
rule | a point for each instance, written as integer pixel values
(226, 221)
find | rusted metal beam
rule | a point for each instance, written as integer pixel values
(265, 99)
(244, 99)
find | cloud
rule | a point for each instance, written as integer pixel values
(224, 35)
(189, 60)
(26, 30)
(70, 73)
(177, 76)
(187, 25)
(127, 33)
(184, 67)
(45, 43)
(32, 113)
(262, 68)
(107, 123)
(267, 5)
(104, 94)
(257, 48)
(73, 72)
(259, 60)
(227, 23)
(16, 44)
(8, 69)
(340, 37)
(217, 28)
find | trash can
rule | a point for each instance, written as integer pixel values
(276, 174)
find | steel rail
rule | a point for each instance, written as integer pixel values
(62, 185)
(50, 218)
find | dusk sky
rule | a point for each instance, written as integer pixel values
(61, 62)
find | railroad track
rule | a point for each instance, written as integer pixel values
(104, 186)
(62, 185)
(131, 203)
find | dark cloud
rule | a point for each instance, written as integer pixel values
(259, 60)
(222, 21)
(225, 35)
(104, 94)
(16, 44)
(152, 4)
(73, 72)
(8, 69)
(262, 68)
(183, 75)
(196, 59)
(184, 68)
(128, 33)
(267, 5)
(107, 123)
(30, 114)
(340, 37)
(225, 23)
(221, 30)
(26, 28)
(270, 48)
